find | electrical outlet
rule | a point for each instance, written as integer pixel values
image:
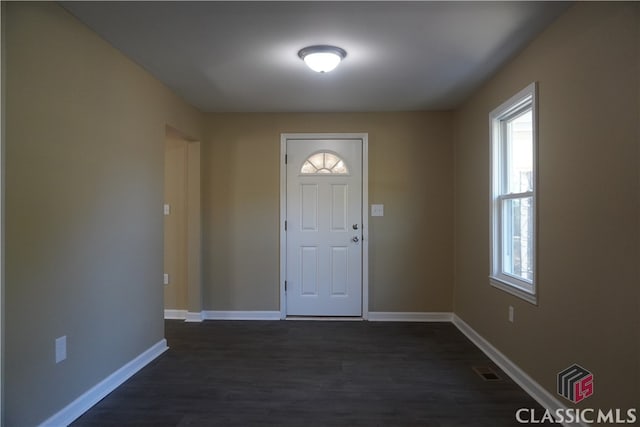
(166, 278)
(61, 348)
(511, 313)
(167, 209)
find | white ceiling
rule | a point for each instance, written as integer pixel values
(242, 56)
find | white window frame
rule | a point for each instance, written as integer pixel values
(522, 101)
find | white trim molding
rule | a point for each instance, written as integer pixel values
(240, 315)
(191, 316)
(187, 316)
(397, 316)
(373, 316)
(175, 314)
(199, 316)
(83, 403)
(501, 193)
(528, 384)
(325, 318)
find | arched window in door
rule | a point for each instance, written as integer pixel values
(324, 163)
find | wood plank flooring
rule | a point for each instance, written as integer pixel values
(310, 373)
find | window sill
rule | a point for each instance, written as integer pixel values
(513, 290)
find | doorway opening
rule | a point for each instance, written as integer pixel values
(182, 228)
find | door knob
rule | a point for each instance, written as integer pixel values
(355, 239)
(355, 226)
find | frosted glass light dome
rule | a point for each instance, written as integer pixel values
(322, 58)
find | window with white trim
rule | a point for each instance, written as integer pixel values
(513, 194)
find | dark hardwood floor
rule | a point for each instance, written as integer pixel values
(310, 373)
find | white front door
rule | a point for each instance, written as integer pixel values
(324, 227)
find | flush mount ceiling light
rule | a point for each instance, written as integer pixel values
(322, 58)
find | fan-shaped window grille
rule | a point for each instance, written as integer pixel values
(324, 163)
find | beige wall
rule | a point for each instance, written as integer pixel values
(410, 172)
(587, 66)
(84, 193)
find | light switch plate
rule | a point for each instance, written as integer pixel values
(165, 278)
(167, 209)
(377, 210)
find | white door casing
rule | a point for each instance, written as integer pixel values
(324, 247)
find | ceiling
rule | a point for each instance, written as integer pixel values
(241, 56)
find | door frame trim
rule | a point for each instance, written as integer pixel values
(364, 138)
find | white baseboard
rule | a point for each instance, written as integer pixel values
(191, 316)
(83, 403)
(374, 316)
(187, 316)
(325, 318)
(535, 390)
(175, 314)
(393, 316)
(241, 315)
